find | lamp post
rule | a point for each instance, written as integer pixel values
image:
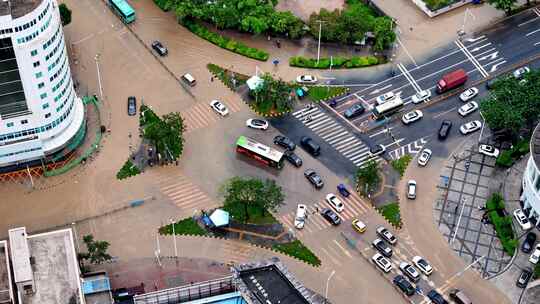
(328, 283)
(174, 238)
(319, 44)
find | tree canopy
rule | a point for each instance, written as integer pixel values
(65, 14)
(273, 96)
(165, 133)
(503, 5)
(96, 250)
(367, 177)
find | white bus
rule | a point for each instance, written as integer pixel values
(264, 154)
(388, 108)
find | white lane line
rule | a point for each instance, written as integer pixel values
(380, 132)
(344, 250)
(409, 77)
(381, 89)
(406, 51)
(350, 147)
(341, 144)
(474, 39)
(480, 47)
(494, 67)
(531, 33)
(395, 142)
(471, 58)
(536, 43)
(445, 112)
(529, 21)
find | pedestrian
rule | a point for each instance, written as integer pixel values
(455, 209)
(212, 79)
(269, 38)
(278, 43)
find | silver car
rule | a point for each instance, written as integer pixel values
(468, 94)
(424, 157)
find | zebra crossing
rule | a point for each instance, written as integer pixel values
(346, 143)
(237, 252)
(201, 115)
(354, 207)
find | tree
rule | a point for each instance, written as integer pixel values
(503, 5)
(272, 96)
(96, 251)
(272, 196)
(384, 33)
(368, 177)
(65, 14)
(165, 133)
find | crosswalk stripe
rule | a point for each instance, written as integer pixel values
(347, 149)
(179, 189)
(315, 123)
(171, 186)
(344, 142)
(334, 260)
(347, 153)
(327, 131)
(359, 156)
(356, 208)
(197, 118)
(191, 196)
(330, 134)
(336, 138)
(360, 206)
(304, 112)
(343, 249)
(362, 165)
(325, 127)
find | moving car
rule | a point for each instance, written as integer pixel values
(436, 298)
(409, 271)
(308, 79)
(470, 127)
(522, 219)
(354, 110)
(359, 226)
(459, 297)
(404, 285)
(488, 150)
(189, 79)
(444, 129)
(256, 123)
(314, 178)
(421, 96)
(301, 215)
(423, 265)
(411, 117)
(310, 146)
(385, 97)
(377, 150)
(382, 262)
(335, 202)
(159, 48)
(468, 94)
(535, 256)
(284, 142)
(519, 73)
(294, 159)
(528, 243)
(132, 106)
(468, 108)
(452, 80)
(524, 277)
(411, 189)
(219, 107)
(386, 235)
(382, 247)
(331, 216)
(424, 157)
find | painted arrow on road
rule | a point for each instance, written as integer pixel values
(474, 39)
(480, 47)
(490, 56)
(494, 67)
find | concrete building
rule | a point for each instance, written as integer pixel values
(531, 180)
(45, 268)
(39, 111)
(6, 291)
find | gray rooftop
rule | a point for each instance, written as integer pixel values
(5, 286)
(535, 146)
(18, 8)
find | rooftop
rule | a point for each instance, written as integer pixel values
(535, 146)
(18, 8)
(5, 277)
(22, 270)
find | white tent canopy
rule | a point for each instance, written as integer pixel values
(220, 218)
(254, 82)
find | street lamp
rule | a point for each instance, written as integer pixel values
(327, 283)
(99, 76)
(174, 238)
(319, 44)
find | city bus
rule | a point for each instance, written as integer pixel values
(123, 10)
(388, 108)
(264, 154)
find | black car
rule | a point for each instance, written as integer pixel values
(310, 146)
(293, 158)
(405, 286)
(132, 106)
(436, 298)
(354, 111)
(524, 277)
(444, 130)
(314, 178)
(377, 150)
(284, 142)
(331, 216)
(159, 48)
(382, 247)
(528, 244)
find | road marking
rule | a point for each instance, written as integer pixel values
(491, 56)
(480, 47)
(444, 112)
(406, 52)
(536, 43)
(344, 250)
(344, 142)
(494, 67)
(474, 39)
(381, 132)
(531, 33)
(528, 21)
(536, 11)
(471, 58)
(381, 89)
(409, 77)
(395, 142)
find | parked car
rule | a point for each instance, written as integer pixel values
(459, 297)
(159, 48)
(314, 178)
(488, 150)
(385, 97)
(335, 202)
(404, 285)
(468, 94)
(131, 106)
(524, 277)
(470, 127)
(292, 158)
(219, 107)
(382, 247)
(519, 73)
(307, 79)
(382, 262)
(528, 243)
(410, 271)
(310, 146)
(343, 190)
(386, 235)
(359, 226)
(522, 219)
(377, 150)
(468, 108)
(354, 110)
(423, 265)
(424, 157)
(411, 117)
(444, 129)
(535, 256)
(436, 298)
(411, 189)
(284, 142)
(421, 96)
(331, 216)
(256, 123)
(301, 216)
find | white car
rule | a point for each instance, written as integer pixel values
(306, 79)
(256, 123)
(488, 150)
(335, 202)
(535, 256)
(522, 219)
(382, 262)
(412, 116)
(411, 189)
(421, 96)
(468, 108)
(423, 265)
(219, 107)
(301, 215)
(518, 74)
(409, 271)
(470, 127)
(386, 235)
(468, 94)
(385, 97)
(424, 157)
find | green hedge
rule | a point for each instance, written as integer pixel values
(400, 165)
(164, 5)
(337, 62)
(226, 43)
(298, 250)
(391, 213)
(502, 224)
(187, 226)
(127, 170)
(508, 157)
(434, 5)
(322, 93)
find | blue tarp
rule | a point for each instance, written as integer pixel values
(220, 218)
(97, 285)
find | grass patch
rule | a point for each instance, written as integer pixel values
(502, 223)
(391, 214)
(226, 43)
(322, 93)
(336, 62)
(229, 78)
(164, 5)
(128, 169)
(256, 215)
(186, 226)
(298, 250)
(507, 158)
(400, 165)
(436, 4)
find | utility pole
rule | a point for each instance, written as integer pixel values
(319, 45)
(174, 234)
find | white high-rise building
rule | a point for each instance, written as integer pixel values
(39, 110)
(531, 179)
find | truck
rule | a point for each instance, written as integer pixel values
(452, 80)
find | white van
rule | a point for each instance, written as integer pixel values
(187, 78)
(300, 218)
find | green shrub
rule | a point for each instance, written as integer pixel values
(337, 62)
(322, 93)
(436, 4)
(502, 224)
(298, 250)
(536, 274)
(400, 165)
(164, 5)
(187, 226)
(505, 159)
(495, 202)
(127, 170)
(391, 213)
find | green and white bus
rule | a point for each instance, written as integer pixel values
(263, 154)
(123, 10)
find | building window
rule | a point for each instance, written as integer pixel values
(47, 116)
(36, 64)
(33, 53)
(9, 124)
(24, 121)
(44, 95)
(41, 85)
(39, 74)
(45, 106)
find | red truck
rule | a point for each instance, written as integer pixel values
(452, 80)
